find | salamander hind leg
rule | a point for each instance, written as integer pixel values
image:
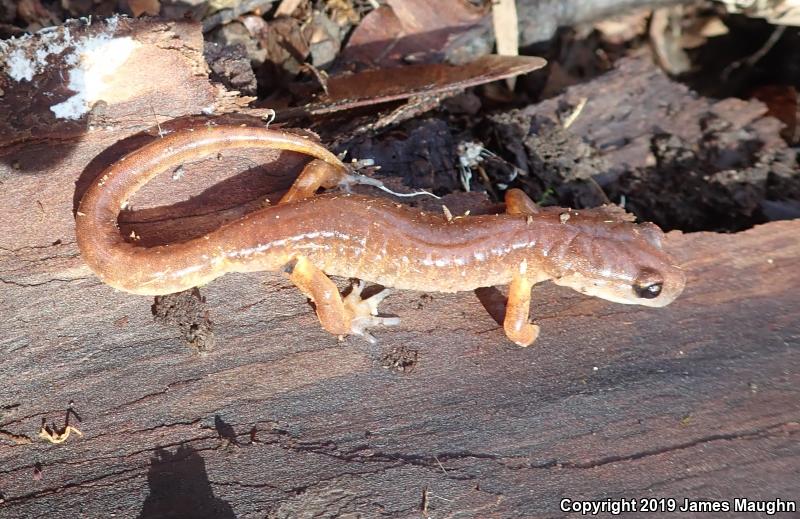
(315, 175)
(516, 324)
(351, 315)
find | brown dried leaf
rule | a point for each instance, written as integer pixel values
(404, 30)
(34, 13)
(625, 27)
(782, 104)
(778, 12)
(148, 7)
(342, 12)
(286, 44)
(287, 7)
(383, 85)
(665, 36)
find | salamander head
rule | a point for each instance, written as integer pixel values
(627, 267)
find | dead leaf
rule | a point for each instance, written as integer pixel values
(285, 43)
(665, 36)
(218, 5)
(33, 13)
(148, 7)
(287, 7)
(714, 27)
(625, 27)
(370, 87)
(256, 26)
(342, 12)
(322, 35)
(782, 104)
(778, 12)
(411, 30)
(700, 27)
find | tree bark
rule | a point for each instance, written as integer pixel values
(444, 417)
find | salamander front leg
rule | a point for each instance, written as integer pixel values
(351, 315)
(516, 324)
(315, 175)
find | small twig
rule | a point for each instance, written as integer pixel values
(367, 181)
(54, 436)
(486, 181)
(449, 217)
(440, 464)
(506, 31)
(757, 55)
(600, 189)
(269, 117)
(320, 75)
(440, 497)
(573, 115)
(161, 133)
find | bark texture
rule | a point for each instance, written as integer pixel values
(444, 418)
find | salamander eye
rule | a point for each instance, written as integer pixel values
(650, 291)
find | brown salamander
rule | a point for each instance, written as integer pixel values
(599, 252)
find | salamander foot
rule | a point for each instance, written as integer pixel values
(364, 312)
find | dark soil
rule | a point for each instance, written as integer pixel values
(188, 311)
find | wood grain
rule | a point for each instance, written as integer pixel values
(698, 399)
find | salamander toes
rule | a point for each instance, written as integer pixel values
(364, 312)
(526, 335)
(360, 326)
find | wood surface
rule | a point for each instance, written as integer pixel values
(443, 418)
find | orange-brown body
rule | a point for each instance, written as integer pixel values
(598, 252)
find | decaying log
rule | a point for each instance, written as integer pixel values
(444, 417)
(674, 157)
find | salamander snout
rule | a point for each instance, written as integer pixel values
(645, 286)
(647, 277)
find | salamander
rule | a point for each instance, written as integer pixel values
(309, 236)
